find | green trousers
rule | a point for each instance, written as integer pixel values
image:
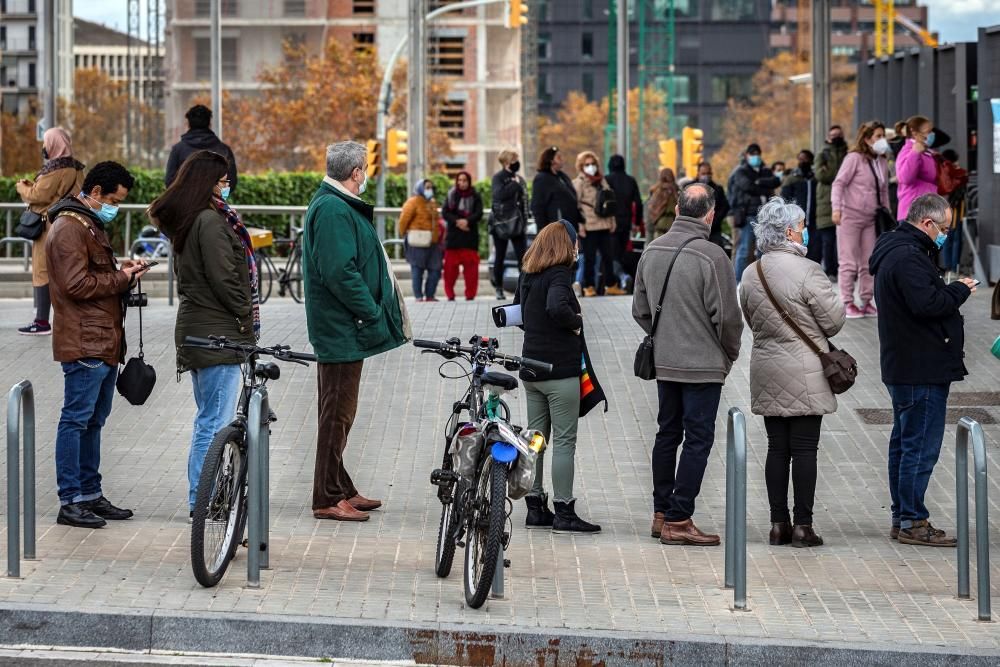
(553, 409)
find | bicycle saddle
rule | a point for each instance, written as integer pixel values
(502, 380)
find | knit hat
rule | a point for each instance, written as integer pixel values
(753, 149)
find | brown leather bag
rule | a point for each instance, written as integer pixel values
(839, 367)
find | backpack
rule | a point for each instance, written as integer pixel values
(950, 177)
(607, 203)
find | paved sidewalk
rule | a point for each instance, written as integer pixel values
(859, 588)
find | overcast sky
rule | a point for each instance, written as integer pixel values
(955, 20)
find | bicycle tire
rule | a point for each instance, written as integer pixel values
(265, 275)
(293, 276)
(215, 501)
(485, 536)
(444, 553)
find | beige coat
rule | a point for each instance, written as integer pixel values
(586, 195)
(39, 196)
(786, 376)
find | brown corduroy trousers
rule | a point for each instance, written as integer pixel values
(338, 404)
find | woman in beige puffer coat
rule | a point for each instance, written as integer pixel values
(596, 230)
(787, 385)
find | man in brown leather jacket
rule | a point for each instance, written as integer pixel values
(87, 287)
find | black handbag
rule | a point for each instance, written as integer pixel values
(644, 366)
(885, 221)
(136, 381)
(31, 225)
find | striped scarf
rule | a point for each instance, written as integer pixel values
(233, 218)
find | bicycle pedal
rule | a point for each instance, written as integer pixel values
(442, 477)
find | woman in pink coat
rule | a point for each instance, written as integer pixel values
(916, 169)
(861, 185)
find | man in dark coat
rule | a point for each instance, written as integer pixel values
(721, 205)
(921, 336)
(199, 137)
(753, 184)
(628, 211)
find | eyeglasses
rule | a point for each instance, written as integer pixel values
(224, 181)
(945, 228)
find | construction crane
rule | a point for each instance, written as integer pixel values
(885, 20)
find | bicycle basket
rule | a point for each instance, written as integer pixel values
(466, 448)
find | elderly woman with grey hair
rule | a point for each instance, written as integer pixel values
(787, 385)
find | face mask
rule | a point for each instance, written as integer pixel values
(590, 169)
(754, 161)
(805, 236)
(428, 194)
(514, 167)
(364, 184)
(805, 167)
(838, 141)
(704, 179)
(930, 139)
(107, 212)
(779, 174)
(881, 146)
(940, 239)
(224, 193)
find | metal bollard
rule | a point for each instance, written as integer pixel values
(496, 590)
(20, 401)
(967, 426)
(257, 500)
(736, 508)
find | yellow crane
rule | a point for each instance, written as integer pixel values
(886, 19)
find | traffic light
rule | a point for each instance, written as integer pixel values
(668, 154)
(374, 158)
(693, 150)
(396, 148)
(517, 13)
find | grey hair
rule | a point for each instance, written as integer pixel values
(343, 157)
(931, 206)
(774, 219)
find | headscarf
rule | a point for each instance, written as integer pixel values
(461, 201)
(59, 148)
(419, 190)
(664, 192)
(233, 218)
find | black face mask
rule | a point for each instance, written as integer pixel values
(838, 141)
(514, 167)
(805, 167)
(45, 154)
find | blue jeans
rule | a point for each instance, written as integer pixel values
(89, 387)
(425, 281)
(216, 389)
(918, 416)
(951, 252)
(745, 247)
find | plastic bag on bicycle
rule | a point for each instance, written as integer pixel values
(522, 473)
(466, 448)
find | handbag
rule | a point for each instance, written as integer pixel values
(419, 238)
(644, 366)
(885, 221)
(136, 381)
(839, 367)
(507, 221)
(31, 225)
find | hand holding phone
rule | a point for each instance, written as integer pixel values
(148, 265)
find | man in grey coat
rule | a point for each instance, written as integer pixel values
(695, 345)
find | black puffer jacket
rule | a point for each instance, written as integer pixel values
(627, 194)
(196, 140)
(553, 198)
(751, 188)
(551, 315)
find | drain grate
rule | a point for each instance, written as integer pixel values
(974, 398)
(883, 416)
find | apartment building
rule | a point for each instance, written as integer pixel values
(99, 47)
(471, 51)
(22, 42)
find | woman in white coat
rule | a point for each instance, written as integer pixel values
(787, 385)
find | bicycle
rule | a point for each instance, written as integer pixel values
(220, 507)
(289, 276)
(476, 506)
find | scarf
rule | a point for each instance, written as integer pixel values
(55, 164)
(233, 218)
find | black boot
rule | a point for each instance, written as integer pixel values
(78, 516)
(539, 514)
(566, 520)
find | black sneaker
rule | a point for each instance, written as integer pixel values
(78, 516)
(103, 508)
(36, 328)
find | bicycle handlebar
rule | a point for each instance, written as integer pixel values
(220, 343)
(524, 362)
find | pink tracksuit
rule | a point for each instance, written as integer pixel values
(917, 175)
(855, 194)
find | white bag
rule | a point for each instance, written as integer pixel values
(419, 238)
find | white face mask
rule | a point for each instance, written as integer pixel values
(881, 146)
(590, 169)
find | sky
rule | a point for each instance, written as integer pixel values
(955, 20)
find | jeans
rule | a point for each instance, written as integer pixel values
(338, 388)
(89, 387)
(554, 409)
(687, 412)
(795, 441)
(594, 243)
(951, 252)
(520, 244)
(216, 390)
(745, 247)
(424, 288)
(918, 417)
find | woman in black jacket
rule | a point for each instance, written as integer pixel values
(217, 281)
(552, 326)
(553, 196)
(509, 202)
(462, 211)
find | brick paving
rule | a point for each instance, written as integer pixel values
(859, 587)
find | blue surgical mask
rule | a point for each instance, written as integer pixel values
(805, 236)
(225, 193)
(940, 239)
(364, 184)
(107, 212)
(754, 161)
(428, 194)
(930, 139)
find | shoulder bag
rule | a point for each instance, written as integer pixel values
(645, 362)
(839, 367)
(885, 221)
(31, 225)
(136, 381)
(507, 219)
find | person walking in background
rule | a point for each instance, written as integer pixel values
(421, 234)
(693, 356)
(60, 176)
(553, 196)
(787, 383)
(553, 328)
(628, 214)
(218, 285)
(199, 137)
(597, 228)
(861, 184)
(463, 211)
(510, 197)
(827, 167)
(721, 204)
(753, 184)
(916, 168)
(921, 339)
(661, 205)
(800, 187)
(354, 310)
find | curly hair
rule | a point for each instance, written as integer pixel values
(774, 219)
(108, 176)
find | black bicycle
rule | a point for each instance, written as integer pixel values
(220, 506)
(289, 276)
(474, 504)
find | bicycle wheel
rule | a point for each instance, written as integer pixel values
(444, 555)
(486, 524)
(265, 275)
(292, 278)
(220, 506)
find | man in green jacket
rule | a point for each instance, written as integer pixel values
(827, 166)
(354, 310)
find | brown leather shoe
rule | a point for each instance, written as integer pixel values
(781, 533)
(359, 502)
(342, 511)
(894, 533)
(657, 524)
(922, 533)
(685, 532)
(805, 536)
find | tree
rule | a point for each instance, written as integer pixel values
(96, 117)
(778, 114)
(20, 153)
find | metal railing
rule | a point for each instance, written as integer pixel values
(258, 505)
(164, 243)
(20, 402)
(969, 427)
(9, 240)
(736, 508)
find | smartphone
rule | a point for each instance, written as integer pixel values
(149, 265)
(976, 283)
